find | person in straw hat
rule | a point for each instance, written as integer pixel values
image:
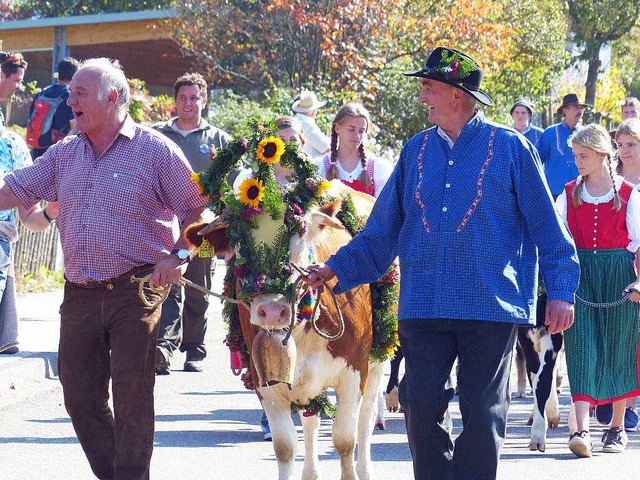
(467, 211)
(306, 108)
(554, 146)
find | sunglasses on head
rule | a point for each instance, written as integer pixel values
(14, 58)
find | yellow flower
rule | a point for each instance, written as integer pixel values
(195, 178)
(270, 150)
(324, 186)
(251, 192)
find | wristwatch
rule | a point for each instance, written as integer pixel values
(182, 254)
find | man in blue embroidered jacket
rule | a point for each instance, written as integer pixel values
(467, 210)
(555, 149)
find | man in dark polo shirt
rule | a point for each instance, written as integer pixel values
(183, 322)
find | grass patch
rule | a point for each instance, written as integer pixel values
(43, 281)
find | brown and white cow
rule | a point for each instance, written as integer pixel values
(341, 364)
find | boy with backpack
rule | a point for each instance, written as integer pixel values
(50, 118)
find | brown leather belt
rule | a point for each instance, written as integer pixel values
(109, 284)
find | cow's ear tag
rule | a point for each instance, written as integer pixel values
(206, 250)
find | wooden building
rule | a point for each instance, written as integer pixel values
(140, 41)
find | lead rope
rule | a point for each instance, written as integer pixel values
(294, 302)
(615, 303)
(164, 291)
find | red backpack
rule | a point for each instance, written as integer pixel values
(39, 133)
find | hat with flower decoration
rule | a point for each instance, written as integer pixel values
(454, 68)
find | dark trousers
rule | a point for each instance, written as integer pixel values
(107, 333)
(484, 351)
(184, 324)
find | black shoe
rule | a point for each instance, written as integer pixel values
(193, 366)
(615, 440)
(163, 361)
(11, 350)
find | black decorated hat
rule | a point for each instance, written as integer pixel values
(522, 102)
(454, 68)
(571, 99)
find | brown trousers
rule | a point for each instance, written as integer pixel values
(108, 334)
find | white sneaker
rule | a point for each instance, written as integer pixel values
(580, 444)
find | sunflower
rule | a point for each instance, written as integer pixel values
(251, 192)
(195, 178)
(270, 150)
(322, 187)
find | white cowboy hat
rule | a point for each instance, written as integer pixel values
(307, 102)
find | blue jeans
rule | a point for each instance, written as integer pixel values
(5, 253)
(484, 351)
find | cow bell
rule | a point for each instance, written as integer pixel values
(274, 362)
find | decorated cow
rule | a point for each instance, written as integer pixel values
(298, 342)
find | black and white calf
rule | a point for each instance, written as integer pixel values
(391, 399)
(540, 351)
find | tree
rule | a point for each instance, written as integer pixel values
(594, 23)
(357, 50)
(62, 8)
(624, 56)
(538, 29)
(11, 10)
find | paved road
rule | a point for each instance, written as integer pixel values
(208, 427)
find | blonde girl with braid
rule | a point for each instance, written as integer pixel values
(628, 141)
(602, 211)
(348, 159)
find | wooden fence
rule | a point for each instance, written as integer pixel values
(33, 250)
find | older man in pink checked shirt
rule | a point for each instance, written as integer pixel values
(119, 185)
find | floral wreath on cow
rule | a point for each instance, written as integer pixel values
(269, 270)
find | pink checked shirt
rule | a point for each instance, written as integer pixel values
(116, 211)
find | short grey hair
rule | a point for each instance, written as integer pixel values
(111, 78)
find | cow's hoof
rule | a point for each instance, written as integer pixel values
(391, 400)
(553, 423)
(380, 426)
(520, 394)
(533, 446)
(530, 421)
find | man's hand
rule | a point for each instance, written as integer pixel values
(634, 288)
(168, 270)
(559, 316)
(319, 274)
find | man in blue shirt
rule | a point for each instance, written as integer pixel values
(521, 112)
(555, 149)
(467, 211)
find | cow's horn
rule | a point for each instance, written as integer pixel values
(217, 224)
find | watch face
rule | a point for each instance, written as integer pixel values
(182, 254)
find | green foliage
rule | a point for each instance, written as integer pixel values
(233, 112)
(538, 29)
(357, 51)
(624, 56)
(148, 109)
(63, 8)
(42, 281)
(320, 405)
(13, 10)
(595, 23)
